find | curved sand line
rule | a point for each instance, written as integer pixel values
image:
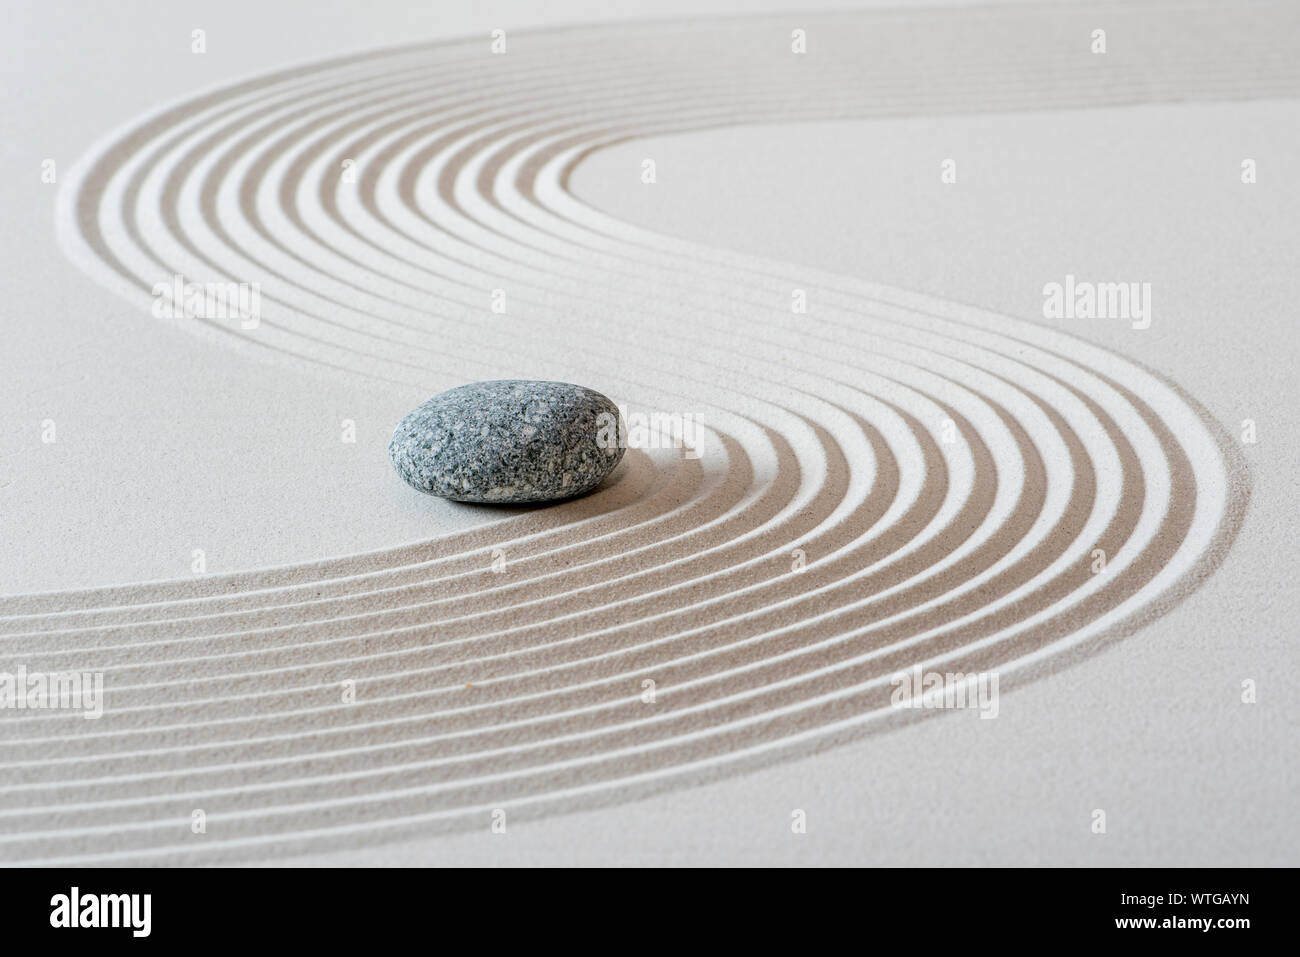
(478, 690)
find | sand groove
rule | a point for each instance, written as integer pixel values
(947, 472)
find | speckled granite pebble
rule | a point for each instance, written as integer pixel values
(510, 440)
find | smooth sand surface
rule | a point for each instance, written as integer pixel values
(895, 478)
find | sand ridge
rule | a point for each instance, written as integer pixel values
(946, 472)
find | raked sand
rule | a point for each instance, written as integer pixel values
(894, 478)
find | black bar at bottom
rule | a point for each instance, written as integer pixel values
(331, 908)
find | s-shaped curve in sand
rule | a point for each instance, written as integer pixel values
(945, 472)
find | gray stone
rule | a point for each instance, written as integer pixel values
(510, 440)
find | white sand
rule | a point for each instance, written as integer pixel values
(519, 690)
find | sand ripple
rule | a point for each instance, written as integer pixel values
(945, 472)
